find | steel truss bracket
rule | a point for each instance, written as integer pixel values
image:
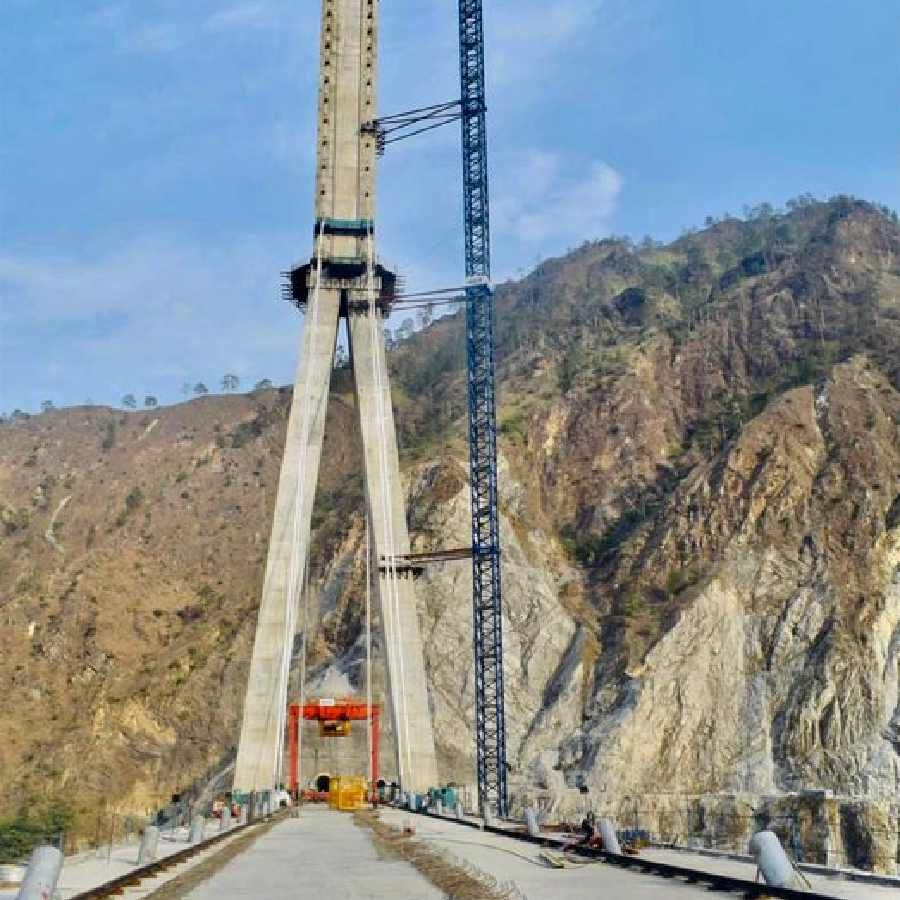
(390, 129)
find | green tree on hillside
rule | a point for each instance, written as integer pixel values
(20, 834)
(230, 382)
(262, 385)
(200, 388)
(47, 405)
(150, 401)
(129, 402)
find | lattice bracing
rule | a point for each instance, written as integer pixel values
(487, 596)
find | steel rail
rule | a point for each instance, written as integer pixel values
(712, 881)
(140, 873)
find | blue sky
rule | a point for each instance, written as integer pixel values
(156, 160)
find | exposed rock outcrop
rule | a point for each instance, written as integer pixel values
(701, 528)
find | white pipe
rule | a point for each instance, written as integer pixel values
(149, 845)
(531, 822)
(773, 862)
(43, 873)
(198, 830)
(610, 839)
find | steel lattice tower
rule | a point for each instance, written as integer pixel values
(487, 600)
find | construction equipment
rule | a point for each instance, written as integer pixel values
(470, 110)
(490, 721)
(347, 793)
(334, 716)
(447, 795)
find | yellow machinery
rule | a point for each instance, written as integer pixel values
(335, 729)
(347, 792)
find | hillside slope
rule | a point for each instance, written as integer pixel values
(701, 522)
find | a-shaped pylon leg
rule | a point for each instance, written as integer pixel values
(259, 752)
(384, 494)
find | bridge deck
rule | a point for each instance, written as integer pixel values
(322, 855)
(509, 860)
(494, 854)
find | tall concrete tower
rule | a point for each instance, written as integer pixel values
(342, 280)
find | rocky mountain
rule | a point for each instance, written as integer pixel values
(700, 451)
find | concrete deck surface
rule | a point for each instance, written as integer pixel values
(321, 855)
(510, 860)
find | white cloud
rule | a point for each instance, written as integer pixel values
(546, 201)
(523, 35)
(241, 15)
(154, 311)
(135, 29)
(159, 37)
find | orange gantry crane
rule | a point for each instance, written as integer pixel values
(334, 716)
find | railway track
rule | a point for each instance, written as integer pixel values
(117, 886)
(711, 881)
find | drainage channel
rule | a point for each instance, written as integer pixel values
(713, 882)
(137, 875)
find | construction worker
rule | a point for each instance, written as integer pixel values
(590, 836)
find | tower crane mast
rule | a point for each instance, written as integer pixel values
(486, 587)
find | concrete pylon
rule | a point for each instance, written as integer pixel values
(343, 280)
(258, 762)
(416, 762)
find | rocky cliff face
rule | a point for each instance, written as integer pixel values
(701, 524)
